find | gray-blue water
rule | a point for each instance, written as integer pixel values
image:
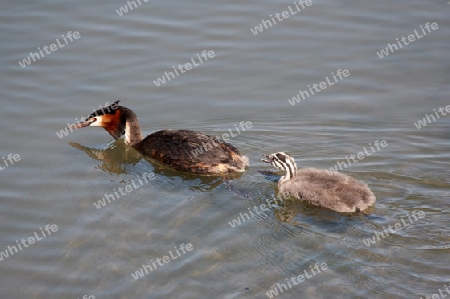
(93, 252)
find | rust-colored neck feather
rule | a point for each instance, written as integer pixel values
(113, 124)
(123, 121)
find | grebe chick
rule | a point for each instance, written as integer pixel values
(178, 149)
(332, 190)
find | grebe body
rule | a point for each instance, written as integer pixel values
(182, 150)
(332, 190)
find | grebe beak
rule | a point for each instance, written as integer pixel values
(268, 158)
(83, 124)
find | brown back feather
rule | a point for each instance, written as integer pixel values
(177, 149)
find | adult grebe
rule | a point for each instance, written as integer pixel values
(332, 190)
(175, 148)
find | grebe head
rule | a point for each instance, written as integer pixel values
(282, 161)
(110, 118)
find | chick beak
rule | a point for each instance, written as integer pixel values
(83, 124)
(268, 159)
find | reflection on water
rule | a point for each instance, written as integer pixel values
(118, 157)
(115, 158)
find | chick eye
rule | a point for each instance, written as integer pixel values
(281, 157)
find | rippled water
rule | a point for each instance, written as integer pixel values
(250, 78)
